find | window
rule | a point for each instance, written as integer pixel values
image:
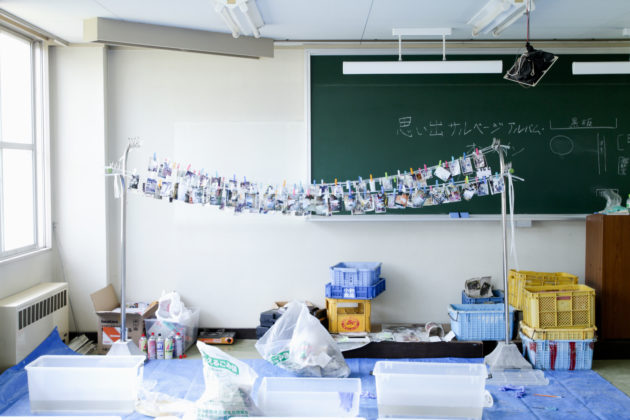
(22, 200)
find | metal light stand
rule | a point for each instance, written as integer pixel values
(124, 347)
(506, 355)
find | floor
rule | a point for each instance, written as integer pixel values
(617, 372)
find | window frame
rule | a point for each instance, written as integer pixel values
(39, 147)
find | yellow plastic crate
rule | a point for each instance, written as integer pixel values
(573, 333)
(517, 280)
(559, 306)
(353, 318)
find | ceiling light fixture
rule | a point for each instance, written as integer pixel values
(422, 67)
(248, 11)
(532, 65)
(497, 15)
(603, 67)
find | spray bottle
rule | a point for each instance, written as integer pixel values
(179, 346)
(168, 347)
(151, 347)
(142, 343)
(159, 347)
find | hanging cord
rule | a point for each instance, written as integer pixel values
(63, 274)
(527, 7)
(512, 229)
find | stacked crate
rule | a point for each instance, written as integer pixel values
(349, 294)
(558, 327)
(480, 319)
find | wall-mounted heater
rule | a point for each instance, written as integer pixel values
(28, 317)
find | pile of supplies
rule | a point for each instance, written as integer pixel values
(558, 326)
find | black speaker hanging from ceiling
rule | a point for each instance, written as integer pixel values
(532, 65)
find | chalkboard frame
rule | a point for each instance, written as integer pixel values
(523, 218)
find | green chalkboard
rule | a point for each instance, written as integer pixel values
(569, 136)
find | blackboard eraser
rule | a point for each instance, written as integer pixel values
(453, 215)
(464, 215)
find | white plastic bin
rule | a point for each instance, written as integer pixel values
(416, 389)
(309, 397)
(187, 330)
(80, 384)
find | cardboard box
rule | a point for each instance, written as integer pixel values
(107, 309)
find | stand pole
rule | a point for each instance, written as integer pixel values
(506, 355)
(123, 346)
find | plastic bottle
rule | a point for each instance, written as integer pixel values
(142, 343)
(159, 347)
(168, 347)
(151, 347)
(179, 345)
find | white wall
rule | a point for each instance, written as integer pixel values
(26, 272)
(190, 108)
(77, 108)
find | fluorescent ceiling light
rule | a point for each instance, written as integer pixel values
(248, 11)
(422, 67)
(497, 15)
(601, 67)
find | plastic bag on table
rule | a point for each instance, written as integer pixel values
(229, 385)
(299, 343)
(172, 309)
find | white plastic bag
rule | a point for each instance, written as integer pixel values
(299, 343)
(229, 385)
(172, 309)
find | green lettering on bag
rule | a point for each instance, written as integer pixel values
(280, 357)
(221, 364)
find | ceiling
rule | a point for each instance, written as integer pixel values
(332, 20)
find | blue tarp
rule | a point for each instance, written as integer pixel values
(585, 394)
(13, 381)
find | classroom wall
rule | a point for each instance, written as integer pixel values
(247, 117)
(26, 272)
(77, 131)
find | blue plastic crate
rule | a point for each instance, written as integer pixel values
(358, 292)
(352, 274)
(480, 322)
(558, 354)
(497, 297)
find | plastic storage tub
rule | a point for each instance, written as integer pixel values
(355, 292)
(349, 274)
(559, 354)
(187, 330)
(480, 322)
(84, 384)
(497, 297)
(309, 397)
(416, 389)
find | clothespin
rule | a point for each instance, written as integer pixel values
(382, 189)
(335, 182)
(466, 179)
(477, 151)
(284, 183)
(436, 183)
(446, 163)
(385, 174)
(452, 158)
(370, 177)
(440, 164)
(348, 185)
(411, 170)
(322, 181)
(425, 167)
(234, 177)
(464, 155)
